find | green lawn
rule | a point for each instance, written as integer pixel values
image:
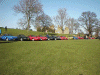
(63, 57)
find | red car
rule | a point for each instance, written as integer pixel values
(42, 37)
(80, 38)
(63, 38)
(34, 38)
(91, 38)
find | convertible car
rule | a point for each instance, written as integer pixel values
(22, 37)
(8, 37)
(91, 38)
(63, 38)
(75, 37)
(55, 37)
(50, 37)
(80, 38)
(42, 37)
(34, 38)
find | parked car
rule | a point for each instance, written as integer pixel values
(0, 37)
(63, 38)
(80, 38)
(49, 37)
(91, 38)
(8, 37)
(70, 38)
(75, 37)
(42, 37)
(22, 37)
(56, 37)
(33, 38)
(97, 37)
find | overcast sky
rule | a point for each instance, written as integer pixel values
(74, 9)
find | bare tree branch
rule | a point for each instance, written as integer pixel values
(30, 8)
(88, 21)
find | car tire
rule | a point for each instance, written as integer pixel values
(7, 39)
(55, 39)
(21, 39)
(32, 39)
(40, 39)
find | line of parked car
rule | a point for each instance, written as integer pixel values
(21, 37)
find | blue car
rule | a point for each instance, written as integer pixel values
(75, 37)
(8, 37)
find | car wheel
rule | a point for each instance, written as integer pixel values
(21, 39)
(40, 39)
(48, 39)
(6, 39)
(32, 39)
(55, 38)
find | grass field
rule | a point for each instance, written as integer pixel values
(66, 57)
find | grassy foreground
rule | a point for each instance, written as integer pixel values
(66, 57)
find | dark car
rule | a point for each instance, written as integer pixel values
(97, 37)
(22, 37)
(56, 37)
(0, 37)
(50, 37)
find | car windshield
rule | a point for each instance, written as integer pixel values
(33, 35)
(53, 36)
(7, 35)
(22, 35)
(48, 36)
(41, 36)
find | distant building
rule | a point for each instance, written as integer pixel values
(52, 27)
(60, 31)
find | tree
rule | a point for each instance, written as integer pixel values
(88, 21)
(43, 21)
(76, 26)
(97, 29)
(60, 19)
(22, 23)
(72, 24)
(29, 8)
(80, 32)
(39, 29)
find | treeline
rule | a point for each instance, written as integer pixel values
(34, 15)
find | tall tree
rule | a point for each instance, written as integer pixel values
(29, 8)
(60, 19)
(72, 24)
(97, 29)
(76, 26)
(88, 21)
(43, 21)
(22, 23)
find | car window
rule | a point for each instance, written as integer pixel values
(33, 35)
(23, 36)
(9, 35)
(41, 36)
(5, 35)
(48, 36)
